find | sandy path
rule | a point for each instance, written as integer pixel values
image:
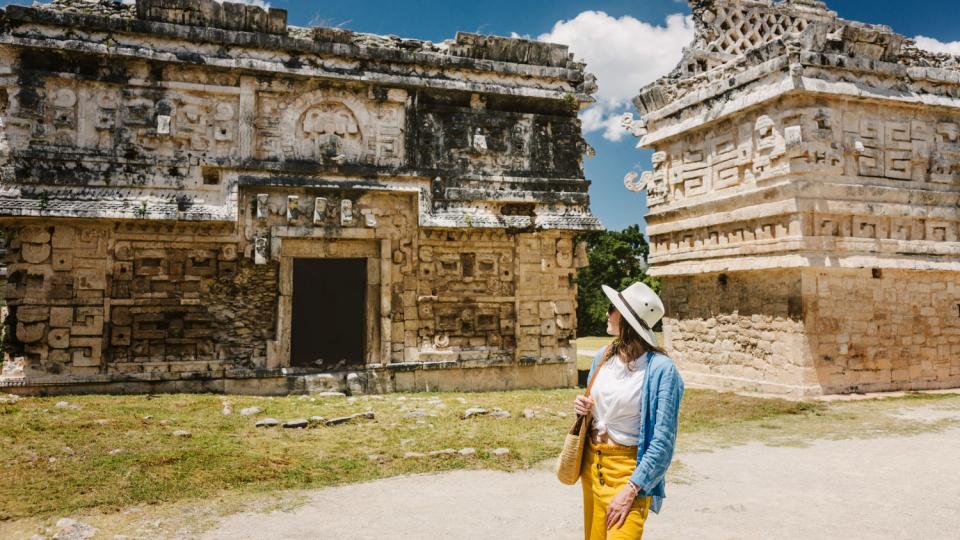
(890, 487)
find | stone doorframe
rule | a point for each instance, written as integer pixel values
(288, 243)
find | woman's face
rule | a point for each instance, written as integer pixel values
(613, 321)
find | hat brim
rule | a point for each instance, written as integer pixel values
(645, 334)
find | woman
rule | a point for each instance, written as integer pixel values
(635, 402)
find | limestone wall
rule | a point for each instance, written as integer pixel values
(816, 331)
(875, 330)
(93, 298)
(742, 331)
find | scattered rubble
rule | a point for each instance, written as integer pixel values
(345, 419)
(474, 411)
(71, 529)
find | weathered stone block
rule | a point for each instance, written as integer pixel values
(88, 321)
(85, 352)
(61, 317)
(90, 279)
(62, 260)
(30, 333)
(34, 253)
(32, 314)
(34, 235)
(59, 338)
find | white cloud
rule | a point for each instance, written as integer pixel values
(935, 45)
(625, 54)
(258, 3)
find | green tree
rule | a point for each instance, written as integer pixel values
(617, 259)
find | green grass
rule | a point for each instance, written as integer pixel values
(594, 343)
(589, 343)
(58, 461)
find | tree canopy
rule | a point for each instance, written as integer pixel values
(617, 259)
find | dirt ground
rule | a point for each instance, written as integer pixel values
(887, 469)
(886, 487)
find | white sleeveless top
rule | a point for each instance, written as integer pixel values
(616, 395)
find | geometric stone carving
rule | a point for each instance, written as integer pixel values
(293, 208)
(329, 130)
(61, 317)
(89, 322)
(228, 252)
(59, 338)
(163, 124)
(35, 235)
(31, 314)
(263, 210)
(564, 252)
(346, 212)
(261, 250)
(34, 253)
(86, 352)
(319, 210)
(30, 333)
(630, 181)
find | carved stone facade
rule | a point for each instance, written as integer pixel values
(164, 171)
(804, 202)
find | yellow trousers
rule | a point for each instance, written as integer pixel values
(605, 471)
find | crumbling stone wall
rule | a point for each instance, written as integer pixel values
(163, 169)
(127, 298)
(797, 157)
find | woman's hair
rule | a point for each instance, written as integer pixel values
(628, 344)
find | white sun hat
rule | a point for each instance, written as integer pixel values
(638, 303)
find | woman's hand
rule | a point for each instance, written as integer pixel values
(582, 405)
(620, 506)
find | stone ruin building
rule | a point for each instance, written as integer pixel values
(197, 196)
(804, 202)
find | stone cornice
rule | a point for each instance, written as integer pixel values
(817, 75)
(810, 254)
(746, 52)
(44, 28)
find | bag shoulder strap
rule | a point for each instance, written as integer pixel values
(596, 371)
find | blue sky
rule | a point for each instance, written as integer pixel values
(626, 43)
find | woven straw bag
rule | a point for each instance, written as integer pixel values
(571, 455)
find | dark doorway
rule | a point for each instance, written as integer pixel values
(329, 313)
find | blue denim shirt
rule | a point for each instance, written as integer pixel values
(659, 409)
